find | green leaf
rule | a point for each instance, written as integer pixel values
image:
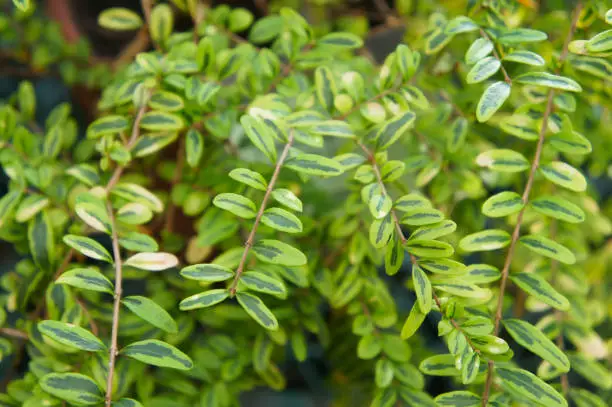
(490, 344)
(415, 97)
(313, 164)
(161, 121)
(549, 81)
(435, 230)
(521, 35)
(594, 372)
(341, 40)
(249, 177)
(126, 403)
(266, 29)
(287, 198)
(134, 213)
(161, 23)
(87, 279)
(255, 307)
(503, 204)
(602, 42)
(478, 50)
(393, 129)
(422, 288)
(570, 142)
(23, 5)
(439, 365)
(151, 143)
(85, 173)
(378, 201)
(30, 206)
(530, 386)
(469, 369)
(88, 247)
(263, 283)
(53, 142)
(207, 272)
(416, 398)
(381, 231)
(486, 240)
(94, 215)
(549, 248)
(157, 353)
(503, 160)
(260, 135)
(462, 289)
(239, 19)
(166, 101)
(481, 273)
(136, 193)
(138, 242)
(525, 57)
(369, 346)
(394, 256)
(483, 69)
(42, 241)
(119, 19)
(412, 201)
(277, 252)
(429, 248)
(73, 388)
(443, 266)
(460, 24)
(71, 335)
(584, 398)
(325, 87)
(237, 204)
(151, 312)
(458, 399)
(107, 125)
(204, 299)
(383, 373)
(332, 128)
(521, 126)
(152, 261)
(194, 147)
(536, 286)
(282, 220)
(436, 41)
(558, 208)
(422, 216)
(564, 175)
(532, 338)
(491, 100)
(477, 326)
(458, 134)
(8, 203)
(413, 322)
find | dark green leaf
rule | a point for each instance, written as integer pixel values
(207, 272)
(313, 164)
(535, 285)
(119, 19)
(491, 100)
(204, 299)
(564, 175)
(255, 307)
(429, 248)
(282, 220)
(151, 312)
(136, 193)
(260, 135)
(439, 365)
(502, 204)
(530, 386)
(87, 279)
(392, 130)
(72, 387)
(88, 247)
(458, 399)
(325, 87)
(340, 40)
(157, 353)
(236, 204)
(71, 335)
(558, 208)
(503, 160)
(41, 241)
(548, 80)
(549, 248)
(138, 242)
(277, 252)
(525, 57)
(287, 198)
(486, 240)
(263, 283)
(422, 287)
(484, 69)
(161, 121)
(249, 177)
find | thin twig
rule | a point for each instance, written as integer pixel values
(116, 306)
(14, 333)
(250, 240)
(528, 187)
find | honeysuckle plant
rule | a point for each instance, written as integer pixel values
(252, 186)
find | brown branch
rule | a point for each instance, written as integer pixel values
(496, 55)
(14, 333)
(134, 136)
(116, 306)
(528, 187)
(250, 240)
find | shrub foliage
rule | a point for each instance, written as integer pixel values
(252, 186)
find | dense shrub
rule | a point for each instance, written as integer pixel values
(254, 191)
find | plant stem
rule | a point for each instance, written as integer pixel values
(14, 333)
(515, 234)
(116, 306)
(250, 240)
